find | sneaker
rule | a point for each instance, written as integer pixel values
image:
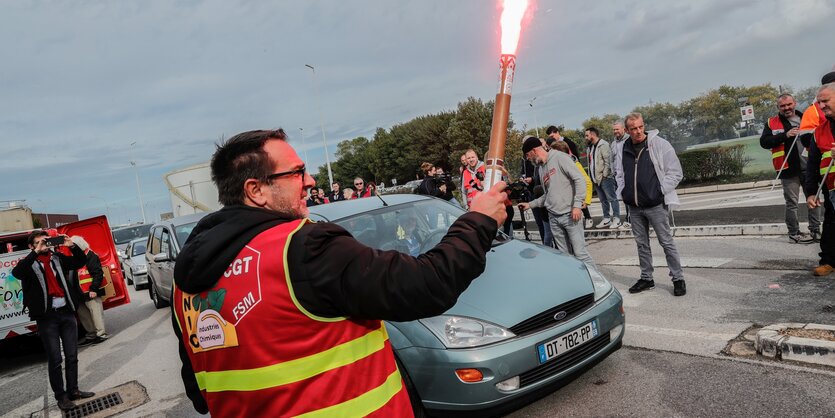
(77, 394)
(626, 225)
(822, 270)
(589, 223)
(816, 236)
(679, 288)
(98, 340)
(615, 223)
(604, 223)
(642, 285)
(65, 404)
(85, 341)
(801, 238)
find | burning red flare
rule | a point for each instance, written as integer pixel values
(511, 24)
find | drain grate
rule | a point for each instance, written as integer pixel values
(96, 405)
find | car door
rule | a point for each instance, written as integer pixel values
(152, 249)
(166, 268)
(97, 233)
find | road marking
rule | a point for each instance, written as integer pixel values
(693, 262)
(672, 332)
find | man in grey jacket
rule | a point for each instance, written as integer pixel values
(600, 169)
(565, 190)
(620, 137)
(647, 175)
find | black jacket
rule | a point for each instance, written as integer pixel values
(813, 174)
(641, 186)
(33, 280)
(94, 268)
(335, 275)
(768, 141)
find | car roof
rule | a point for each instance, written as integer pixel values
(345, 208)
(138, 240)
(182, 220)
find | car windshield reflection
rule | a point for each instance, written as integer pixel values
(411, 228)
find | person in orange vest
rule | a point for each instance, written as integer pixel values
(280, 316)
(91, 312)
(788, 157)
(820, 170)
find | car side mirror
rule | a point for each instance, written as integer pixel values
(158, 258)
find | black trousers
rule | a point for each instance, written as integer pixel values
(58, 328)
(827, 253)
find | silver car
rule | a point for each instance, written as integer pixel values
(532, 321)
(164, 243)
(134, 265)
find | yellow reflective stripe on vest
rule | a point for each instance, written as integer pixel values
(294, 370)
(826, 154)
(290, 283)
(777, 154)
(364, 404)
(85, 281)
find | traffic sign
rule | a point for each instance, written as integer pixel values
(747, 112)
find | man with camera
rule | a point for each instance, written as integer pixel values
(565, 191)
(52, 299)
(436, 183)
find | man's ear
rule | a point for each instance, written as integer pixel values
(255, 192)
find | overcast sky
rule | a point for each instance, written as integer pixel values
(82, 80)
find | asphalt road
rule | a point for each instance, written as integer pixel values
(672, 363)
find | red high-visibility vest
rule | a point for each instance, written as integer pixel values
(778, 153)
(825, 142)
(256, 351)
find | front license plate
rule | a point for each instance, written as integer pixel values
(567, 342)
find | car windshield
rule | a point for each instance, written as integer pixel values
(412, 228)
(125, 235)
(183, 231)
(138, 248)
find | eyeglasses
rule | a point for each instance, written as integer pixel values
(299, 171)
(358, 184)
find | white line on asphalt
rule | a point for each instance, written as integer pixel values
(671, 332)
(693, 262)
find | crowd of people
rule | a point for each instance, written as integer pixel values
(316, 196)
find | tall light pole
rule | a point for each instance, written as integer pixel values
(138, 189)
(321, 122)
(45, 212)
(106, 205)
(301, 132)
(536, 123)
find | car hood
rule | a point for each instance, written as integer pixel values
(139, 260)
(521, 280)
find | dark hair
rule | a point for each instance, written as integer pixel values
(593, 130)
(551, 129)
(240, 158)
(34, 234)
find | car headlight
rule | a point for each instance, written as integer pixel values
(120, 253)
(139, 269)
(463, 332)
(602, 287)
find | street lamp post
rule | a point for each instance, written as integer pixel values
(45, 212)
(138, 188)
(301, 132)
(106, 206)
(321, 122)
(536, 123)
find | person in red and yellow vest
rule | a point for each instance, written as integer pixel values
(821, 170)
(280, 316)
(472, 176)
(788, 156)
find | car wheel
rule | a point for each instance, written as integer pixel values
(417, 405)
(152, 290)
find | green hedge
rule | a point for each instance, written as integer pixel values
(711, 163)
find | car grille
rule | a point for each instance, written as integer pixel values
(546, 319)
(564, 362)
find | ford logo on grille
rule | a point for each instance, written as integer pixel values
(559, 316)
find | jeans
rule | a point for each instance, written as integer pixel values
(791, 187)
(91, 315)
(569, 236)
(606, 193)
(540, 216)
(658, 218)
(507, 228)
(58, 328)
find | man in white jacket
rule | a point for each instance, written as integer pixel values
(647, 175)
